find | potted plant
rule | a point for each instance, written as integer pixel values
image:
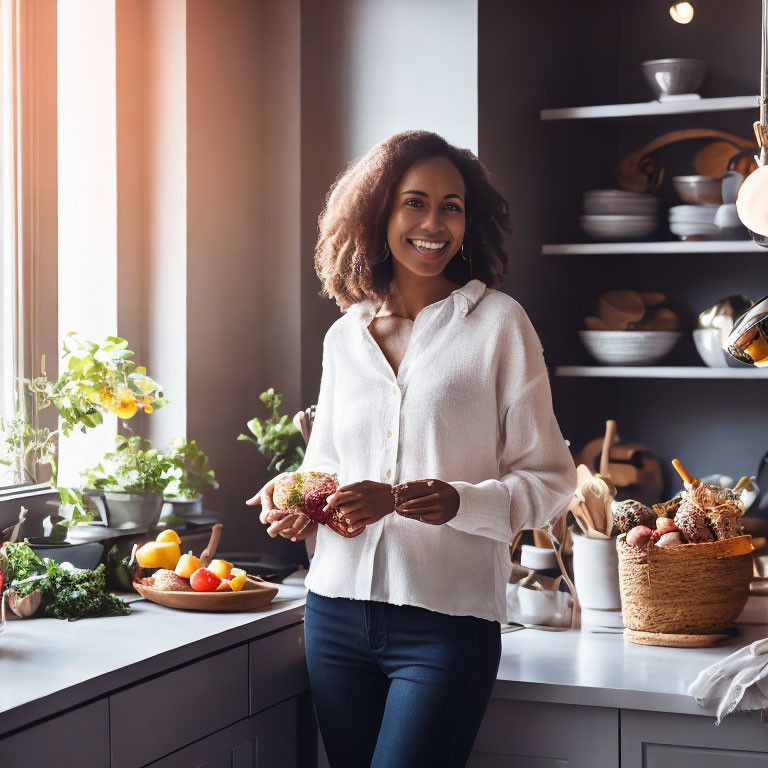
(277, 436)
(127, 486)
(97, 378)
(190, 473)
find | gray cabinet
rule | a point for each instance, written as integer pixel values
(161, 715)
(522, 734)
(278, 668)
(79, 737)
(655, 740)
(266, 740)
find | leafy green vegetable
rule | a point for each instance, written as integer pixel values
(78, 594)
(276, 436)
(120, 571)
(66, 594)
(20, 562)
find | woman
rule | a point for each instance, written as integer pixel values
(435, 412)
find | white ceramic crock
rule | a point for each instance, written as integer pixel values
(596, 573)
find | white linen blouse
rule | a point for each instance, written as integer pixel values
(471, 406)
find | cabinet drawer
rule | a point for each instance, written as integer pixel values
(661, 740)
(80, 737)
(159, 716)
(278, 668)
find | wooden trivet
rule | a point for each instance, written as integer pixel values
(674, 641)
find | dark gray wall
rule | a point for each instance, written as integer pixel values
(553, 54)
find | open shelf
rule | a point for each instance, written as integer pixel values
(658, 372)
(672, 246)
(608, 111)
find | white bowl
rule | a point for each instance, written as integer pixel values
(629, 347)
(684, 229)
(705, 213)
(708, 341)
(613, 202)
(619, 227)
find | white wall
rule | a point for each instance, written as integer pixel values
(372, 68)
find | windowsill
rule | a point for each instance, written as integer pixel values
(24, 491)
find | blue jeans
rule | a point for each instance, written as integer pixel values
(396, 686)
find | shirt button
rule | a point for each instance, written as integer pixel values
(394, 390)
(389, 473)
(389, 433)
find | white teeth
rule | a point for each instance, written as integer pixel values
(430, 246)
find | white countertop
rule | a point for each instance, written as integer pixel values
(580, 667)
(48, 665)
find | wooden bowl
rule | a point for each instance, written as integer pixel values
(255, 594)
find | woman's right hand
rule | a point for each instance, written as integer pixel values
(291, 525)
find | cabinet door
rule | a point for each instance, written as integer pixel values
(528, 734)
(266, 740)
(278, 668)
(165, 713)
(80, 737)
(657, 740)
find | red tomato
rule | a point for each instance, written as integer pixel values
(203, 580)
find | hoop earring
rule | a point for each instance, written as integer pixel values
(384, 255)
(461, 251)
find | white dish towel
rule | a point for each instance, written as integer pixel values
(738, 682)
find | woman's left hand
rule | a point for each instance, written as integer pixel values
(427, 501)
(362, 503)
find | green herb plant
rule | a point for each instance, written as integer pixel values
(97, 379)
(190, 470)
(276, 436)
(134, 467)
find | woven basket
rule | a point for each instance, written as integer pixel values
(693, 589)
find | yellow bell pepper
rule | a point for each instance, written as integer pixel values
(159, 554)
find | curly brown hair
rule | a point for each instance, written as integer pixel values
(353, 224)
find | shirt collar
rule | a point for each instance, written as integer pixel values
(470, 293)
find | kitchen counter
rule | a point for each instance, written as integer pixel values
(604, 670)
(99, 670)
(49, 665)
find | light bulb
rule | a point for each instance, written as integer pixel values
(682, 13)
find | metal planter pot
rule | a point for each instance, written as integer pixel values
(136, 512)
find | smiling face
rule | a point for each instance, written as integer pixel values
(426, 220)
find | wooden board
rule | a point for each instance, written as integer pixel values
(674, 641)
(255, 594)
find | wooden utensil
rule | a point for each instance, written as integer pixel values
(713, 159)
(638, 172)
(213, 545)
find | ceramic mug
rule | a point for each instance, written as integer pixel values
(596, 573)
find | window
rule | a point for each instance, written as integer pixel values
(10, 273)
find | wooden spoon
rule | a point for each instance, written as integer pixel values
(213, 544)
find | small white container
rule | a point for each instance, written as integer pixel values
(538, 558)
(596, 573)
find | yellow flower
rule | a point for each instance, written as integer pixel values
(146, 404)
(127, 405)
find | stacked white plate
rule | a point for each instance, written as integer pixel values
(688, 221)
(615, 214)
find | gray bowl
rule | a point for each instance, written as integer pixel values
(87, 555)
(672, 77)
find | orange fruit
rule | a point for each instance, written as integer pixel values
(187, 565)
(237, 583)
(221, 568)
